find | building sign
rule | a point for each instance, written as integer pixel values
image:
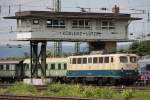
(77, 33)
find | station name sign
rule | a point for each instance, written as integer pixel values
(77, 33)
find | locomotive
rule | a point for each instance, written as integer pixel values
(100, 69)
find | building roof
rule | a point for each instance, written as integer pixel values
(10, 61)
(88, 15)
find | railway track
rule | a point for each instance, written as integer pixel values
(114, 88)
(11, 97)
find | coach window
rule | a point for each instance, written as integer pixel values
(73, 60)
(27, 66)
(52, 66)
(1, 67)
(133, 59)
(100, 59)
(79, 61)
(95, 60)
(46, 66)
(123, 59)
(59, 66)
(7, 67)
(84, 60)
(89, 60)
(65, 66)
(106, 60)
(108, 25)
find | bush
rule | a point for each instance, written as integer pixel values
(127, 94)
(20, 88)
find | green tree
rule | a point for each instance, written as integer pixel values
(140, 48)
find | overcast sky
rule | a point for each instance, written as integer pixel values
(136, 27)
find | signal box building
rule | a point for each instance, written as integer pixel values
(100, 30)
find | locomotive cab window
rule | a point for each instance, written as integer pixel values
(123, 59)
(133, 59)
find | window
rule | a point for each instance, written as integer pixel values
(79, 61)
(74, 61)
(133, 59)
(35, 21)
(27, 66)
(1, 67)
(123, 59)
(55, 23)
(95, 60)
(112, 59)
(108, 25)
(65, 66)
(81, 23)
(84, 60)
(7, 67)
(100, 59)
(46, 66)
(106, 60)
(59, 66)
(89, 60)
(52, 66)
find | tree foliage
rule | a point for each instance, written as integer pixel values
(140, 48)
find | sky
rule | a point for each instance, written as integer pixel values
(137, 27)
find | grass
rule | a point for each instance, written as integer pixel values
(57, 89)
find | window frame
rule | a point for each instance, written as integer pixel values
(76, 23)
(55, 23)
(35, 21)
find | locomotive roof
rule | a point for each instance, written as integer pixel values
(98, 55)
(10, 61)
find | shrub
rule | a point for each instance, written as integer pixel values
(20, 88)
(127, 94)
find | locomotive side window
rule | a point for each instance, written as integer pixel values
(133, 59)
(79, 61)
(84, 60)
(106, 60)
(100, 59)
(89, 60)
(112, 59)
(123, 59)
(74, 61)
(1, 67)
(95, 60)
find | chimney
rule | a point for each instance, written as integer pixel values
(115, 9)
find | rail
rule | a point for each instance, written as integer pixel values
(12, 97)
